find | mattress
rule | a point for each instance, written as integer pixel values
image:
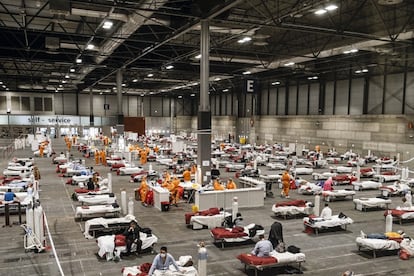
(329, 223)
(377, 244)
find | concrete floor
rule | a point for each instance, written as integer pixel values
(328, 253)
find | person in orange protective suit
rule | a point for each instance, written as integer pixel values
(143, 158)
(41, 150)
(187, 175)
(69, 145)
(217, 186)
(231, 185)
(175, 191)
(285, 184)
(103, 157)
(96, 155)
(156, 149)
(143, 190)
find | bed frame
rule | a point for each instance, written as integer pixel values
(257, 268)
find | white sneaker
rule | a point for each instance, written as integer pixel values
(287, 196)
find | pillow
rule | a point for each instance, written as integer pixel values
(254, 260)
(120, 240)
(214, 211)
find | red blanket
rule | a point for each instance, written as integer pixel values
(223, 233)
(396, 213)
(254, 260)
(297, 202)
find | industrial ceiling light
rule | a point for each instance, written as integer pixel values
(90, 46)
(247, 73)
(244, 39)
(107, 25)
(331, 7)
(169, 67)
(135, 80)
(180, 97)
(351, 51)
(225, 90)
(198, 56)
(72, 70)
(276, 83)
(192, 95)
(78, 60)
(358, 71)
(290, 63)
(217, 79)
(364, 70)
(320, 11)
(150, 75)
(67, 76)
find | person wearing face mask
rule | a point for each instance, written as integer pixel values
(161, 263)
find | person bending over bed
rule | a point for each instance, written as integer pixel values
(132, 236)
(162, 262)
(263, 247)
(326, 212)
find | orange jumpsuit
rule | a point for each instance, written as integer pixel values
(187, 176)
(174, 190)
(143, 158)
(41, 150)
(96, 157)
(285, 184)
(143, 189)
(217, 186)
(231, 185)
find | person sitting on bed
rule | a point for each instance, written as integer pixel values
(217, 186)
(327, 186)
(90, 185)
(231, 185)
(263, 247)
(161, 263)
(132, 236)
(406, 204)
(326, 212)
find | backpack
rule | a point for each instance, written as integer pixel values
(293, 249)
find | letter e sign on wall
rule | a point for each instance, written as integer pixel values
(250, 85)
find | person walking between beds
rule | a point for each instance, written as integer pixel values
(161, 263)
(285, 184)
(132, 236)
(263, 247)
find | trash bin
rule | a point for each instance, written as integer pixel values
(165, 206)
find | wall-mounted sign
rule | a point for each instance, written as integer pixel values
(250, 86)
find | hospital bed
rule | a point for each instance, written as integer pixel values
(236, 234)
(276, 166)
(337, 195)
(114, 245)
(275, 259)
(232, 167)
(298, 171)
(94, 211)
(61, 159)
(96, 226)
(322, 175)
(129, 170)
(401, 214)
(366, 185)
(376, 245)
(387, 177)
(394, 189)
(363, 203)
(341, 169)
(210, 220)
(181, 262)
(96, 199)
(309, 189)
(318, 224)
(292, 208)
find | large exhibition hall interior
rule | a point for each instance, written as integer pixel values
(207, 124)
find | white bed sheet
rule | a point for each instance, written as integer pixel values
(309, 189)
(291, 210)
(95, 210)
(364, 185)
(377, 244)
(333, 222)
(337, 194)
(189, 270)
(105, 222)
(209, 221)
(96, 199)
(373, 202)
(287, 257)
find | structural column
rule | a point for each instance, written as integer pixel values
(91, 117)
(120, 120)
(204, 113)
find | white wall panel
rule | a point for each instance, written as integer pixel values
(69, 104)
(281, 101)
(303, 100)
(394, 94)
(84, 107)
(272, 101)
(132, 104)
(329, 98)
(228, 105)
(113, 105)
(375, 95)
(223, 103)
(341, 104)
(409, 95)
(125, 107)
(357, 97)
(314, 99)
(292, 100)
(98, 105)
(58, 102)
(166, 106)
